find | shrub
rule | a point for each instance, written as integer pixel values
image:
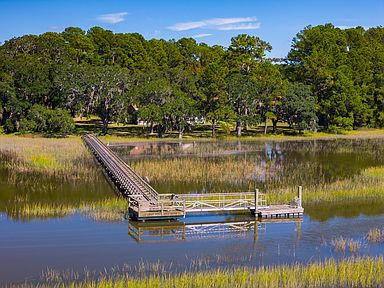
(45, 120)
(60, 122)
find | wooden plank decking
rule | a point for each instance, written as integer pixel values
(280, 211)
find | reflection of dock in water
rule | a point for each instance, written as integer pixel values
(152, 232)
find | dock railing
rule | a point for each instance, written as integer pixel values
(212, 202)
(182, 204)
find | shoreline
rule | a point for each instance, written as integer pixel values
(116, 138)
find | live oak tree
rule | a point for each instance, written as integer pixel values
(215, 102)
(154, 92)
(101, 90)
(107, 93)
(299, 107)
(241, 90)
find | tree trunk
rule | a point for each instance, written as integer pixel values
(104, 129)
(151, 127)
(238, 121)
(238, 127)
(266, 125)
(245, 119)
(213, 128)
(274, 122)
(160, 130)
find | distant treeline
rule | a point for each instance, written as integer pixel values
(331, 78)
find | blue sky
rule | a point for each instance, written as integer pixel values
(212, 22)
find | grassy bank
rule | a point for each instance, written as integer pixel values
(351, 272)
(354, 134)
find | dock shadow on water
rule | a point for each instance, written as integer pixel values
(75, 246)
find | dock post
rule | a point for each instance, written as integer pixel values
(184, 208)
(299, 195)
(162, 209)
(256, 202)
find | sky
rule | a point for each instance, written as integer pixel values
(211, 21)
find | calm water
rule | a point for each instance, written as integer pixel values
(75, 243)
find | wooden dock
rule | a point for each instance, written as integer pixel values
(145, 203)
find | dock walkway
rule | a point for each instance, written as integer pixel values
(145, 203)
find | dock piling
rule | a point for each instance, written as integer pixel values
(256, 201)
(299, 195)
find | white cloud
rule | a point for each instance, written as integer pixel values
(242, 26)
(55, 27)
(113, 18)
(218, 24)
(224, 21)
(187, 26)
(201, 35)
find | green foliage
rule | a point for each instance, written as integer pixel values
(44, 120)
(168, 84)
(299, 106)
(226, 126)
(345, 69)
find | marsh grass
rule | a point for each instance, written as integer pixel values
(37, 170)
(339, 244)
(275, 169)
(354, 245)
(106, 210)
(198, 170)
(68, 161)
(29, 211)
(367, 185)
(375, 235)
(62, 158)
(350, 272)
(229, 174)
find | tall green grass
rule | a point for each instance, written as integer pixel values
(350, 272)
(197, 170)
(106, 210)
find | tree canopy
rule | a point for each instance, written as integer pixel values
(330, 78)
